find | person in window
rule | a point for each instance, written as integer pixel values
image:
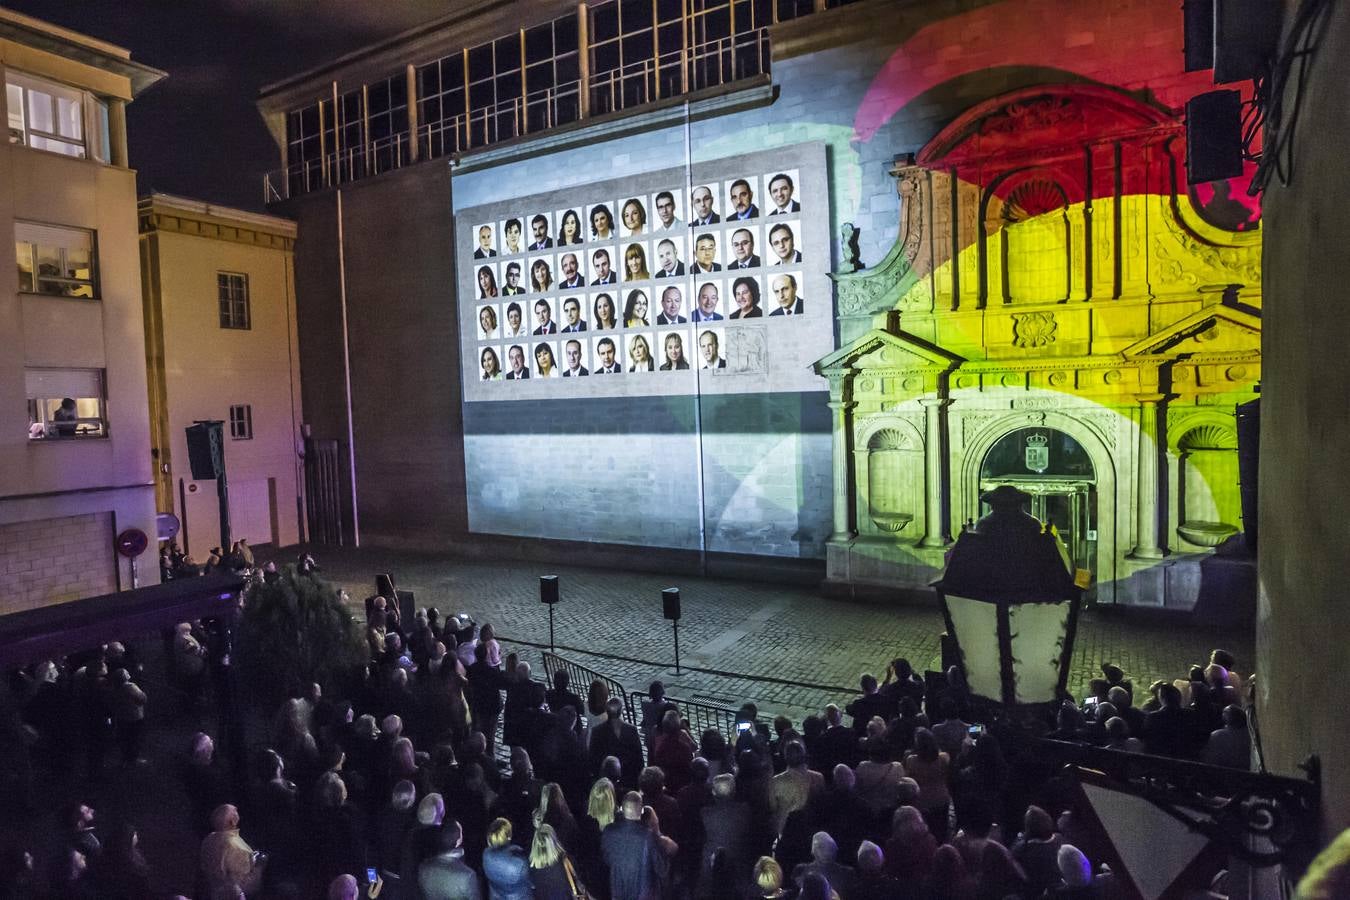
(569, 230)
(635, 310)
(640, 353)
(487, 283)
(66, 417)
(492, 366)
(602, 222)
(604, 312)
(745, 291)
(674, 354)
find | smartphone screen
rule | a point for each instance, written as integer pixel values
(370, 875)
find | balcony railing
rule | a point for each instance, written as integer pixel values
(624, 89)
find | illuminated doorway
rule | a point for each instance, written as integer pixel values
(1055, 470)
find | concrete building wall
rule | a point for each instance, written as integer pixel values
(207, 368)
(1301, 627)
(49, 561)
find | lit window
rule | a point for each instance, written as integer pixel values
(241, 422)
(55, 260)
(48, 116)
(232, 290)
(65, 403)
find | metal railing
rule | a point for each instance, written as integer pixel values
(581, 678)
(699, 714)
(675, 73)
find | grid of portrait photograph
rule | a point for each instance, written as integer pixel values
(641, 283)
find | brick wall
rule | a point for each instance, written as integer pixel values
(50, 561)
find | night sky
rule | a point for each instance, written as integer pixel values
(198, 133)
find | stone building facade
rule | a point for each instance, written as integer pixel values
(1060, 312)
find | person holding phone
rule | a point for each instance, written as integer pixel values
(230, 867)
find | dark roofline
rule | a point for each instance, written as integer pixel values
(82, 48)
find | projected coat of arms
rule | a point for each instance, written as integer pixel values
(1038, 453)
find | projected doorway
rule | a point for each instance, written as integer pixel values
(1055, 470)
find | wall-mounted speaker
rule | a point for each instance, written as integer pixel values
(206, 450)
(1213, 136)
(1199, 33)
(1246, 38)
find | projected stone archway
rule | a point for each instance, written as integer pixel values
(1091, 473)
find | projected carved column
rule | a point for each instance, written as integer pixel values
(935, 531)
(1147, 545)
(840, 405)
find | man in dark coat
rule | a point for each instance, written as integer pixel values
(616, 738)
(636, 864)
(444, 876)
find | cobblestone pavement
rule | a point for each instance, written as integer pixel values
(743, 631)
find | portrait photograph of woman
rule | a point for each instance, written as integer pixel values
(541, 274)
(603, 316)
(602, 222)
(491, 363)
(639, 354)
(634, 263)
(745, 293)
(487, 283)
(634, 217)
(569, 228)
(487, 322)
(635, 310)
(672, 344)
(545, 361)
(515, 320)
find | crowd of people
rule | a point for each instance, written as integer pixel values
(399, 790)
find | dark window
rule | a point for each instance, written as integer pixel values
(241, 422)
(232, 291)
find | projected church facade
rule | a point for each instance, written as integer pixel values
(1005, 277)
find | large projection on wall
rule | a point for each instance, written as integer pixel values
(670, 279)
(673, 315)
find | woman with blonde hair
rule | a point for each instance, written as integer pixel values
(551, 871)
(553, 810)
(635, 263)
(505, 866)
(639, 355)
(768, 878)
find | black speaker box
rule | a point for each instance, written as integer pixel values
(670, 604)
(1199, 32)
(1213, 136)
(1249, 454)
(206, 451)
(1246, 38)
(548, 589)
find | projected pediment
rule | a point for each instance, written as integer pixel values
(1221, 330)
(881, 350)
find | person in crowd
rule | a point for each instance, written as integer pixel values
(1231, 745)
(1118, 736)
(554, 812)
(930, 767)
(795, 787)
(825, 861)
(1076, 879)
(561, 695)
(910, 847)
(552, 872)
(420, 841)
(673, 750)
(506, 867)
(618, 739)
(727, 829)
(122, 872)
(444, 875)
(953, 731)
(229, 866)
(767, 877)
(393, 823)
(637, 866)
(871, 703)
(838, 742)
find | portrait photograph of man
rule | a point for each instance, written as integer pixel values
(667, 209)
(703, 205)
(515, 321)
(741, 195)
(607, 360)
(511, 237)
(672, 299)
(515, 361)
(543, 317)
(743, 254)
(572, 320)
(782, 191)
(569, 272)
(602, 268)
(710, 349)
(574, 359)
(539, 232)
(486, 243)
(783, 243)
(787, 302)
(512, 285)
(668, 263)
(705, 254)
(707, 301)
